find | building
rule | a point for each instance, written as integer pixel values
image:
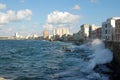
(96, 34)
(35, 36)
(117, 30)
(84, 31)
(87, 31)
(16, 35)
(108, 28)
(45, 34)
(61, 31)
(92, 31)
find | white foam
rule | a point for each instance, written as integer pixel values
(82, 47)
(101, 55)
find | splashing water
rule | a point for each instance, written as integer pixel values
(43, 60)
(101, 55)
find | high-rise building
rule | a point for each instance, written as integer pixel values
(45, 34)
(61, 31)
(16, 35)
(84, 31)
(87, 30)
(108, 28)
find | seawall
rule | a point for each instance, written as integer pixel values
(115, 48)
(115, 64)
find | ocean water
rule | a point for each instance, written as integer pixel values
(44, 60)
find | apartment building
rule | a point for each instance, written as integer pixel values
(84, 32)
(108, 29)
(117, 30)
(45, 34)
(61, 31)
(87, 31)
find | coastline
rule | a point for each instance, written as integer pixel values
(114, 74)
(114, 66)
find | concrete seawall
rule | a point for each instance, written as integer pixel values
(115, 64)
(115, 48)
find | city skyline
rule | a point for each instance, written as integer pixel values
(34, 16)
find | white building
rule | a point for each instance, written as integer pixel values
(108, 28)
(86, 31)
(61, 31)
(16, 35)
(35, 36)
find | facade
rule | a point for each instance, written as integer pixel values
(117, 30)
(61, 31)
(45, 34)
(96, 34)
(84, 32)
(88, 31)
(35, 36)
(92, 31)
(17, 36)
(108, 28)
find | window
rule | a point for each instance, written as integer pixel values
(105, 31)
(105, 25)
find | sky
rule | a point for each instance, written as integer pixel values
(33, 16)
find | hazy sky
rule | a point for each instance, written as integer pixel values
(34, 16)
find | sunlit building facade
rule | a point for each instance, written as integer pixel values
(87, 31)
(61, 31)
(45, 34)
(108, 28)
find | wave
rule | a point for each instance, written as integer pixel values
(101, 55)
(48, 61)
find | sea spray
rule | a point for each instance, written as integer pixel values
(47, 61)
(101, 55)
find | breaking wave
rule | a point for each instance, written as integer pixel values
(43, 60)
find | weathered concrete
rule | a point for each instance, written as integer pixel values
(115, 48)
(115, 64)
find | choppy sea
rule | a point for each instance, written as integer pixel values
(44, 60)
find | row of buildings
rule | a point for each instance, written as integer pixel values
(58, 34)
(109, 30)
(21, 37)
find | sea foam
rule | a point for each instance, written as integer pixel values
(101, 55)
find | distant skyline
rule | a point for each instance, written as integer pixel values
(34, 16)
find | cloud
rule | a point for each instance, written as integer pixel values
(58, 17)
(76, 7)
(61, 19)
(12, 16)
(2, 6)
(24, 14)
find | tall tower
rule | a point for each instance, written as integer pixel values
(45, 34)
(16, 34)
